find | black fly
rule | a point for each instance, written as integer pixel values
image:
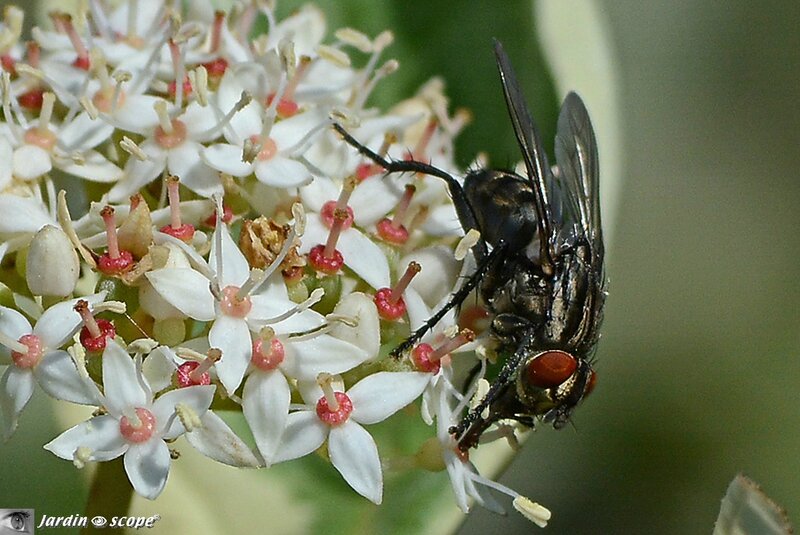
(540, 265)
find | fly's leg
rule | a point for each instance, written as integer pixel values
(456, 299)
(470, 428)
(463, 208)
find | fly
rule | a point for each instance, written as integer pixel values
(540, 268)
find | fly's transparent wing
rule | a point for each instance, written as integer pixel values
(530, 144)
(579, 171)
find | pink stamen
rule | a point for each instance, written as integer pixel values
(418, 153)
(82, 308)
(339, 218)
(397, 292)
(212, 356)
(333, 408)
(33, 354)
(192, 373)
(177, 229)
(65, 24)
(135, 200)
(427, 359)
(268, 351)
(227, 216)
(393, 230)
(138, 431)
(33, 53)
(336, 410)
(180, 69)
(107, 213)
(465, 336)
(170, 140)
(94, 332)
(368, 169)
(389, 301)
(232, 305)
(115, 260)
(216, 30)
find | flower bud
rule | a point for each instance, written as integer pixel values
(52, 266)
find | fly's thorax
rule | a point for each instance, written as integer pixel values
(502, 203)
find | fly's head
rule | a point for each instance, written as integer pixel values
(550, 384)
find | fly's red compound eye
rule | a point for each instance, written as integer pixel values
(550, 369)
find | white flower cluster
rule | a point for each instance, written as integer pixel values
(234, 253)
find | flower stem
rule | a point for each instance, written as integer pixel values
(110, 494)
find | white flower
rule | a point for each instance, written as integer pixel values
(43, 362)
(278, 359)
(338, 417)
(174, 145)
(359, 252)
(273, 164)
(234, 316)
(37, 149)
(136, 426)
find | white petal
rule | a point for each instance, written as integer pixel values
(443, 221)
(184, 161)
(217, 441)
(195, 259)
(59, 322)
(382, 394)
(375, 197)
(185, 289)
(94, 167)
(84, 133)
(226, 158)
(316, 233)
(16, 388)
(439, 272)
(232, 336)
(58, 376)
(320, 191)
(282, 172)
(265, 402)
(137, 113)
(305, 359)
(200, 122)
(366, 334)
(158, 368)
(14, 325)
(147, 466)
(197, 398)
(418, 312)
(266, 308)
(6, 163)
(100, 434)
(364, 257)
(354, 454)
(22, 214)
(138, 173)
(235, 269)
(31, 162)
(304, 433)
(122, 386)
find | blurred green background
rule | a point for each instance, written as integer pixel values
(699, 365)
